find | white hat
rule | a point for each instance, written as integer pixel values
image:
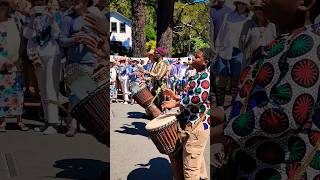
(247, 2)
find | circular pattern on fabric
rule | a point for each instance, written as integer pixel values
(194, 109)
(235, 110)
(244, 74)
(305, 73)
(186, 100)
(268, 174)
(203, 76)
(265, 75)
(186, 112)
(255, 140)
(244, 124)
(283, 66)
(275, 48)
(205, 84)
(198, 90)
(281, 94)
(270, 153)
(204, 96)
(259, 97)
(297, 149)
(192, 85)
(246, 163)
(314, 137)
(302, 108)
(202, 108)
(300, 46)
(195, 99)
(315, 163)
(246, 88)
(274, 121)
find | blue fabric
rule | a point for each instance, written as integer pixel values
(230, 68)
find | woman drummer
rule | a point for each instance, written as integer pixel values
(194, 116)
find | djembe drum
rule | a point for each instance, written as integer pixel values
(164, 132)
(143, 96)
(92, 105)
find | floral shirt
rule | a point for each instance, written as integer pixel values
(196, 102)
(281, 123)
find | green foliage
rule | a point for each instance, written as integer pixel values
(190, 24)
(198, 43)
(121, 6)
(151, 45)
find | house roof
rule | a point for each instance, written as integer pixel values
(114, 14)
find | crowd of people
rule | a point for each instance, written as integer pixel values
(54, 40)
(268, 62)
(125, 71)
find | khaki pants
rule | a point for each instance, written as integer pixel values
(194, 166)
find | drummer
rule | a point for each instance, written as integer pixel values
(159, 73)
(194, 116)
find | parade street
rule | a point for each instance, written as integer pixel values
(33, 156)
(133, 154)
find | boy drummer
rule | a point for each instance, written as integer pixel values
(194, 116)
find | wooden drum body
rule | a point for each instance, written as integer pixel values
(143, 97)
(153, 111)
(164, 133)
(93, 113)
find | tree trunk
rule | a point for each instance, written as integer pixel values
(164, 24)
(138, 25)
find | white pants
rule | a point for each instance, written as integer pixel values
(124, 81)
(48, 75)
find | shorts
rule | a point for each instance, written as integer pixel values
(230, 68)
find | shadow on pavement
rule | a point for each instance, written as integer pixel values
(83, 169)
(156, 169)
(137, 115)
(135, 128)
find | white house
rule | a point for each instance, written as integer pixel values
(120, 28)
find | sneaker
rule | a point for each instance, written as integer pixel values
(71, 132)
(41, 128)
(23, 127)
(125, 102)
(50, 130)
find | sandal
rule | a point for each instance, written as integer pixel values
(23, 127)
(3, 127)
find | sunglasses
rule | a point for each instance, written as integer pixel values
(4, 4)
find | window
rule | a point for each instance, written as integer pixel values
(114, 27)
(122, 28)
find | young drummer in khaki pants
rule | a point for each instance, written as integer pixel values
(194, 116)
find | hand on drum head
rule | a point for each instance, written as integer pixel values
(169, 104)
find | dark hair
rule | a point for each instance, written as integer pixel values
(208, 54)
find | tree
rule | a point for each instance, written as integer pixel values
(138, 28)
(164, 24)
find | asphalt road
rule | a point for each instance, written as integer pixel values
(133, 154)
(33, 156)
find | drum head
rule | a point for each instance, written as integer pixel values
(161, 121)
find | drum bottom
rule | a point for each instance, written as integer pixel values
(153, 111)
(177, 165)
